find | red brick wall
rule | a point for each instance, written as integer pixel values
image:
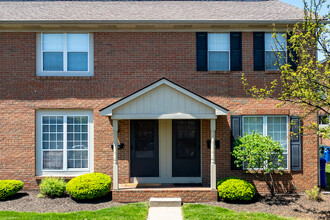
(124, 63)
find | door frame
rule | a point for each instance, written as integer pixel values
(168, 161)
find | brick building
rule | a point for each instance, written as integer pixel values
(144, 91)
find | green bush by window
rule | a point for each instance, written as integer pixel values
(89, 186)
(52, 187)
(9, 188)
(235, 189)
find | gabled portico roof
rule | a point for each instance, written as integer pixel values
(163, 99)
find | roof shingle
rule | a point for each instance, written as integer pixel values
(149, 11)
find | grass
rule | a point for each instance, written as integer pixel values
(129, 212)
(327, 173)
(207, 212)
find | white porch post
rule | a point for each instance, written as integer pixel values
(213, 165)
(115, 155)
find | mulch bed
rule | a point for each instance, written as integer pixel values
(28, 201)
(290, 205)
(287, 205)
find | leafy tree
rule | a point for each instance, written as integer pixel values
(260, 155)
(305, 81)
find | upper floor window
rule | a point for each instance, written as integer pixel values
(65, 54)
(269, 53)
(275, 51)
(218, 51)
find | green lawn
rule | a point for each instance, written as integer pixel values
(131, 211)
(207, 212)
(327, 170)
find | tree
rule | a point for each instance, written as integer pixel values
(304, 80)
(259, 155)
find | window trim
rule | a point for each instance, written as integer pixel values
(66, 171)
(208, 52)
(39, 57)
(275, 51)
(264, 123)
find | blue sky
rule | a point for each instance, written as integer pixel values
(299, 3)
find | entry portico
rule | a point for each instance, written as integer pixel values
(165, 133)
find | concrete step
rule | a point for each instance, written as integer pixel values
(165, 202)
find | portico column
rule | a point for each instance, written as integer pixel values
(115, 155)
(213, 165)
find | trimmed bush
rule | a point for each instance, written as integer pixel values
(89, 186)
(9, 188)
(52, 187)
(235, 189)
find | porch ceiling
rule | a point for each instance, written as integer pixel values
(163, 99)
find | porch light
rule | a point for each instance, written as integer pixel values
(217, 144)
(120, 146)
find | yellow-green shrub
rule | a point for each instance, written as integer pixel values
(52, 187)
(9, 188)
(89, 186)
(235, 189)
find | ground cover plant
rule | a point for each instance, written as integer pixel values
(134, 211)
(207, 212)
(9, 188)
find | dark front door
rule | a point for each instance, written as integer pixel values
(186, 158)
(144, 148)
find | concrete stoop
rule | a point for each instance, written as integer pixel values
(165, 202)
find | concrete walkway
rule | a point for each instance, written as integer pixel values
(165, 213)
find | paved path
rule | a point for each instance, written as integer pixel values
(165, 213)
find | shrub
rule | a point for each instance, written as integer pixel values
(314, 194)
(52, 187)
(89, 186)
(9, 188)
(235, 189)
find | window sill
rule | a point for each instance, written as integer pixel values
(272, 71)
(222, 72)
(64, 77)
(64, 177)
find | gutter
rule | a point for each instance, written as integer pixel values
(150, 21)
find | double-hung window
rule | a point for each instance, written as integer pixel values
(65, 54)
(64, 142)
(218, 51)
(275, 51)
(273, 126)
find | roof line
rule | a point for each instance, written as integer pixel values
(294, 21)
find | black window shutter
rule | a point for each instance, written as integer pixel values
(236, 51)
(292, 55)
(259, 51)
(236, 131)
(295, 144)
(201, 53)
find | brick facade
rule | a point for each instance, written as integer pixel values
(123, 63)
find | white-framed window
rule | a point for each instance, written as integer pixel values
(218, 51)
(64, 142)
(273, 61)
(273, 126)
(65, 54)
(324, 121)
